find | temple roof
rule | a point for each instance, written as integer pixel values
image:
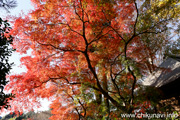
(168, 71)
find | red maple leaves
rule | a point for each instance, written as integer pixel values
(79, 48)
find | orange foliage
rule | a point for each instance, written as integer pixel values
(78, 47)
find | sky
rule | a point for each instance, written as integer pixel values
(22, 6)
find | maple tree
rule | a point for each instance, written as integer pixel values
(87, 55)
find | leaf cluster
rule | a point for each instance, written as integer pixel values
(88, 55)
(5, 67)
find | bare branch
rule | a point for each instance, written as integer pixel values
(97, 38)
(137, 12)
(118, 34)
(59, 48)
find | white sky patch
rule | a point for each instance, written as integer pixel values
(22, 6)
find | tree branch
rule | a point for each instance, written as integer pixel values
(59, 48)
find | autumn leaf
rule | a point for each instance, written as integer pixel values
(87, 55)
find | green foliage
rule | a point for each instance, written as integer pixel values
(160, 19)
(9, 117)
(173, 48)
(44, 115)
(5, 52)
(5, 66)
